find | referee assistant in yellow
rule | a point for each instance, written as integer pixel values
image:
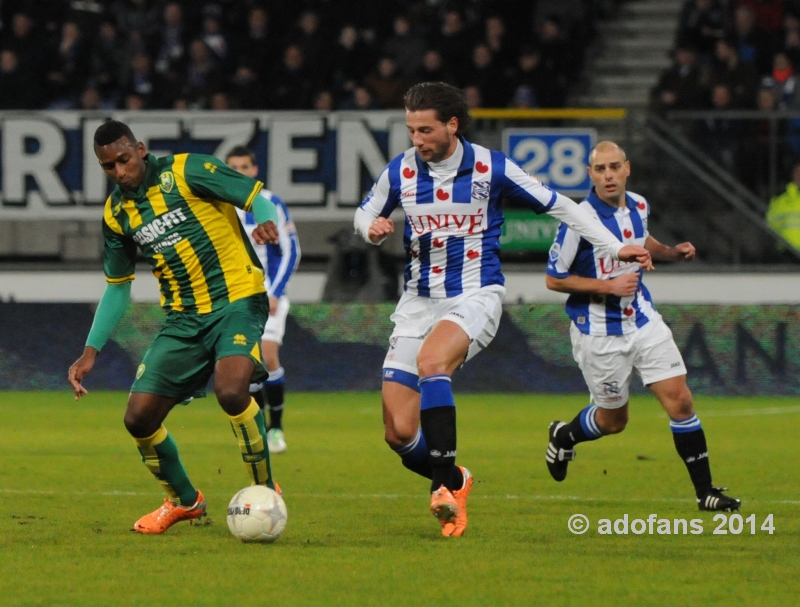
(180, 212)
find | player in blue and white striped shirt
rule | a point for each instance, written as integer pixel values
(451, 191)
(279, 262)
(615, 329)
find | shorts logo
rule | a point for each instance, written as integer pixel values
(611, 388)
(140, 371)
(388, 374)
(480, 190)
(239, 340)
(673, 365)
(167, 182)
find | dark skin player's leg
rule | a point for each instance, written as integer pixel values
(146, 412)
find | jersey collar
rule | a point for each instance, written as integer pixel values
(603, 208)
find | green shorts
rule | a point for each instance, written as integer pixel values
(181, 357)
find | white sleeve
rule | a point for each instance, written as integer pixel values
(379, 202)
(584, 224)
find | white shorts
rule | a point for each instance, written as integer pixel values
(608, 362)
(276, 323)
(476, 312)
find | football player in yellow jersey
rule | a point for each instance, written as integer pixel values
(180, 211)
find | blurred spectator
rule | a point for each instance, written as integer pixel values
(454, 41)
(527, 77)
(69, 67)
(216, 38)
(28, 43)
(309, 38)
(18, 87)
(146, 83)
(783, 214)
(256, 47)
(406, 48)
(494, 86)
(432, 69)
(784, 83)
(720, 136)
(472, 95)
(791, 38)
(361, 99)
(503, 50)
(203, 78)
(556, 63)
(753, 46)
(386, 84)
(291, 85)
(134, 102)
(351, 61)
(220, 101)
(701, 23)
(740, 78)
(324, 101)
(141, 16)
(524, 97)
(768, 14)
(90, 99)
(679, 88)
(171, 42)
(111, 58)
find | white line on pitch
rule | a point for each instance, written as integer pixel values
(353, 496)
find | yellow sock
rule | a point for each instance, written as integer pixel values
(251, 431)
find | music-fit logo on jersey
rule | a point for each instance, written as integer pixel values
(158, 227)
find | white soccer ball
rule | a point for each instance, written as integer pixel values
(257, 514)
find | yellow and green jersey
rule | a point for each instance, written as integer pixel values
(183, 219)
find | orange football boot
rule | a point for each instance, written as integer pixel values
(170, 513)
(450, 507)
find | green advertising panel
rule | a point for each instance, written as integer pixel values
(527, 231)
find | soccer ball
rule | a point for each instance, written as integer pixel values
(257, 514)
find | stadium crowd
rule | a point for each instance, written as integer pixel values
(738, 54)
(287, 54)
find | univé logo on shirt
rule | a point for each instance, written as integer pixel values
(158, 227)
(448, 222)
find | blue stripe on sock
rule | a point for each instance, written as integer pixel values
(436, 391)
(685, 425)
(278, 376)
(589, 422)
(416, 450)
(409, 380)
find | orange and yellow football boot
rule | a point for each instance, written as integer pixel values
(450, 507)
(170, 513)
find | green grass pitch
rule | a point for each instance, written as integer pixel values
(359, 531)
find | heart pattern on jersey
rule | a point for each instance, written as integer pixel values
(436, 270)
(408, 173)
(473, 254)
(628, 311)
(480, 167)
(442, 195)
(641, 206)
(414, 254)
(438, 243)
(627, 233)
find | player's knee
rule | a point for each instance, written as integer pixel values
(614, 422)
(430, 364)
(398, 436)
(232, 399)
(137, 424)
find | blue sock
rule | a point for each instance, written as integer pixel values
(414, 455)
(438, 421)
(581, 429)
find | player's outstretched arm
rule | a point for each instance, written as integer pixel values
(684, 251)
(266, 214)
(636, 253)
(621, 286)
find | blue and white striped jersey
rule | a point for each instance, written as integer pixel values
(596, 314)
(453, 219)
(278, 260)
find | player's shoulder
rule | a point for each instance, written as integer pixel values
(637, 197)
(197, 164)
